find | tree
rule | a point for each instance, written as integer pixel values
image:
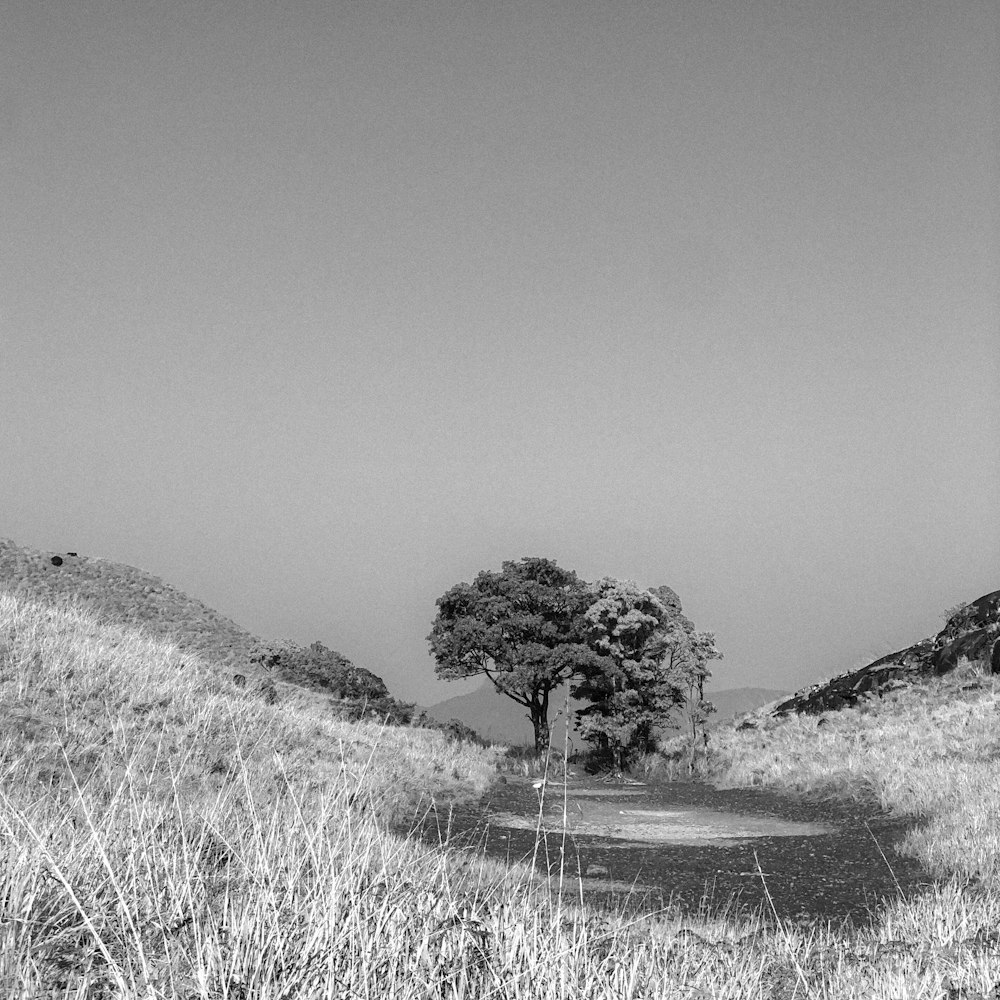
(629, 689)
(688, 654)
(523, 628)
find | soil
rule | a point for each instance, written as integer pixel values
(695, 847)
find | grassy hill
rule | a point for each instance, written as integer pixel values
(114, 592)
(165, 832)
(117, 594)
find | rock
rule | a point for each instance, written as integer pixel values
(979, 645)
(971, 634)
(56, 561)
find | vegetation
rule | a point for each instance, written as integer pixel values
(115, 593)
(533, 626)
(650, 661)
(688, 656)
(625, 683)
(523, 628)
(355, 693)
(165, 834)
(168, 835)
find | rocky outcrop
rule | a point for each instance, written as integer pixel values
(972, 634)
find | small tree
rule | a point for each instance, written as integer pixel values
(523, 628)
(629, 690)
(688, 654)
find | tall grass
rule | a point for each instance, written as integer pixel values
(165, 835)
(930, 751)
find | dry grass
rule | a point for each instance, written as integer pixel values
(930, 751)
(165, 835)
(115, 592)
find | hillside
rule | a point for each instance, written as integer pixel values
(500, 720)
(159, 819)
(115, 592)
(118, 594)
(971, 635)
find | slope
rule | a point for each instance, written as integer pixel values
(118, 594)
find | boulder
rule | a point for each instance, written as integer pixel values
(971, 634)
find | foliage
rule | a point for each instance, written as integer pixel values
(953, 612)
(321, 669)
(626, 683)
(455, 729)
(688, 654)
(388, 710)
(523, 628)
(356, 693)
(650, 660)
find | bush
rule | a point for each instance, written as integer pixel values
(319, 669)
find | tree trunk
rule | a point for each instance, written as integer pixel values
(539, 710)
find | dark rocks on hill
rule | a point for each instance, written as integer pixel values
(971, 634)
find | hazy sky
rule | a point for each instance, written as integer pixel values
(318, 308)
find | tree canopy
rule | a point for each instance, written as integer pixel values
(522, 627)
(627, 684)
(532, 626)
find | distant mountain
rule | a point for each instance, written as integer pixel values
(500, 720)
(495, 717)
(730, 702)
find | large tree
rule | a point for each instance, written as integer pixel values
(634, 682)
(523, 628)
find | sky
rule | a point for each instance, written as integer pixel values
(316, 309)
